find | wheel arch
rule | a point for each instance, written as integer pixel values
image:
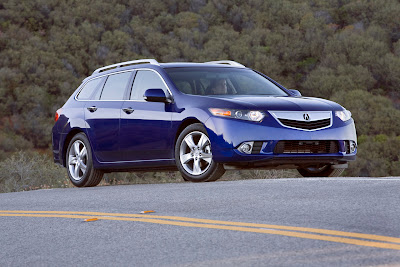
(185, 124)
(68, 138)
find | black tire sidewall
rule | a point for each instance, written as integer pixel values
(323, 173)
(89, 165)
(197, 127)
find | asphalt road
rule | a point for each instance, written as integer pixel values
(282, 222)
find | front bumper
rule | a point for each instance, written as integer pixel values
(227, 134)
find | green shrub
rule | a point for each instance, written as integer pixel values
(377, 156)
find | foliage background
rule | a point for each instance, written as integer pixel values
(344, 50)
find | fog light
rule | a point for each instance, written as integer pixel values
(246, 147)
(353, 146)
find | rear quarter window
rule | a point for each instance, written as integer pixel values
(89, 88)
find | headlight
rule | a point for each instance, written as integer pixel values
(248, 115)
(344, 115)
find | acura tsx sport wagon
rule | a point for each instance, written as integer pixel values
(198, 118)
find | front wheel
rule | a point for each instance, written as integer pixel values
(79, 163)
(320, 171)
(193, 155)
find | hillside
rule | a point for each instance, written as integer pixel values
(346, 51)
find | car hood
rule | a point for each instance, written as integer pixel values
(281, 103)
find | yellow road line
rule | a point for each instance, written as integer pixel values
(224, 227)
(243, 224)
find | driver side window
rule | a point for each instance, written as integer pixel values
(146, 79)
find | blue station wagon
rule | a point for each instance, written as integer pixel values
(198, 118)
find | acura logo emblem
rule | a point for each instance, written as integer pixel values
(306, 117)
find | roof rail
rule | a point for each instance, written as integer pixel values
(127, 63)
(227, 62)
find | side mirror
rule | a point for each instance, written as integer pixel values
(156, 95)
(294, 92)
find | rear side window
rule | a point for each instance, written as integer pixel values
(89, 88)
(146, 79)
(115, 86)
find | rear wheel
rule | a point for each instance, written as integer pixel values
(80, 164)
(320, 171)
(193, 155)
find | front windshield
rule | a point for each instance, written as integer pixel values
(222, 81)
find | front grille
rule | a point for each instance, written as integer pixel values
(256, 147)
(347, 146)
(306, 125)
(310, 147)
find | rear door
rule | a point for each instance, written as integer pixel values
(103, 115)
(146, 126)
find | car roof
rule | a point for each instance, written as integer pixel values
(195, 65)
(153, 64)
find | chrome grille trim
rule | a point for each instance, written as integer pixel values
(296, 119)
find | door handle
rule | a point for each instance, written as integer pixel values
(92, 109)
(128, 110)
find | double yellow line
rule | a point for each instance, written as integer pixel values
(376, 241)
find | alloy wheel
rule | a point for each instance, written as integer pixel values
(195, 153)
(77, 160)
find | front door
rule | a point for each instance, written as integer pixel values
(145, 132)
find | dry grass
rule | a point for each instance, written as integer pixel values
(24, 171)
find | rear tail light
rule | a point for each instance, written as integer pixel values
(58, 112)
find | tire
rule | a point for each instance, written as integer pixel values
(193, 156)
(80, 164)
(324, 171)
